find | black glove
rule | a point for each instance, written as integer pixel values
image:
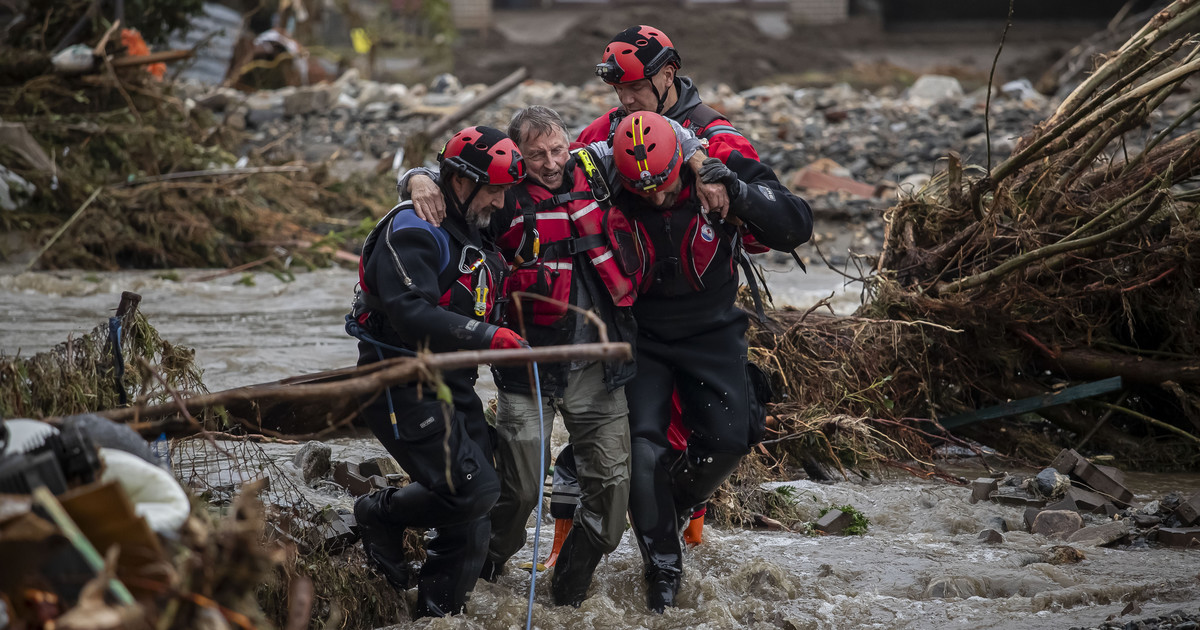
(714, 171)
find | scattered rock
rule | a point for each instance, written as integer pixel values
(348, 476)
(1186, 537)
(997, 523)
(313, 461)
(1101, 535)
(1188, 511)
(1029, 516)
(1086, 500)
(382, 466)
(982, 489)
(1056, 523)
(1146, 521)
(1049, 483)
(991, 537)
(1106, 481)
(834, 522)
(933, 88)
(311, 99)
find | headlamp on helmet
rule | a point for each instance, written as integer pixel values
(636, 53)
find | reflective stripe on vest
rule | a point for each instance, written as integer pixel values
(573, 222)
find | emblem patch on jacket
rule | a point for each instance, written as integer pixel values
(706, 233)
(767, 192)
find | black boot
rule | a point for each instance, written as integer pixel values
(383, 538)
(661, 588)
(577, 562)
(454, 557)
(655, 521)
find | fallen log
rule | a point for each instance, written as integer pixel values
(1087, 363)
(417, 147)
(351, 383)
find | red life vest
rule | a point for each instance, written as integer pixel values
(545, 237)
(678, 247)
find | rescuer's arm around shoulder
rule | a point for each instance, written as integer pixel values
(420, 185)
(404, 272)
(777, 218)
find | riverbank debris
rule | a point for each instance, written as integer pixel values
(119, 362)
(979, 294)
(1080, 514)
(104, 147)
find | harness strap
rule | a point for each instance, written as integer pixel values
(572, 246)
(702, 116)
(752, 282)
(560, 199)
(796, 257)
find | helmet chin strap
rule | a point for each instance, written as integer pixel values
(662, 98)
(461, 206)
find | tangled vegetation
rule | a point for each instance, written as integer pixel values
(87, 374)
(1070, 261)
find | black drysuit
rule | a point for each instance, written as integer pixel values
(691, 338)
(420, 291)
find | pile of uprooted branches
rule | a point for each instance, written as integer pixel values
(128, 175)
(1070, 261)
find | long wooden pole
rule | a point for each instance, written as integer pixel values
(374, 377)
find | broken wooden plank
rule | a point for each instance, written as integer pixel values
(161, 56)
(1026, 405)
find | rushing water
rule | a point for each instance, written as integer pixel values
(919, 566)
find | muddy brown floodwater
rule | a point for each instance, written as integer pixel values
(919, 566)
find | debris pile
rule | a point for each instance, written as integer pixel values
(117, 363)
(879, 137)
(1067, 262)
(105, 167)
(315, 540)
(1087, 504)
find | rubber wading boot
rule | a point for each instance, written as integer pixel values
(693, 534)
(699, 477)
(661, 589)
(562, 527)
(573, 572)
(435, 597)
(383, 541)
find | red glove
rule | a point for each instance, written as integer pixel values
(506, 339)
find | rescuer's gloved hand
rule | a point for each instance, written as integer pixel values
(714, 171)
(507, 339)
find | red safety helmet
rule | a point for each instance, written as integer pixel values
(646, 152)
(484, 155)
(636, 53)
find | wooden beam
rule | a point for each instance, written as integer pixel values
(1026, 405)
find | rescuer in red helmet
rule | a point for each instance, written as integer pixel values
(642, 64)
(691, 335)
(426, 286)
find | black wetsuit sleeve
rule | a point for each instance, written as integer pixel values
(777, 218)
(412, 311)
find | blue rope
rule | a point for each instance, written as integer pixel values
(114, 337)
(537, 529)
(354, 329)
